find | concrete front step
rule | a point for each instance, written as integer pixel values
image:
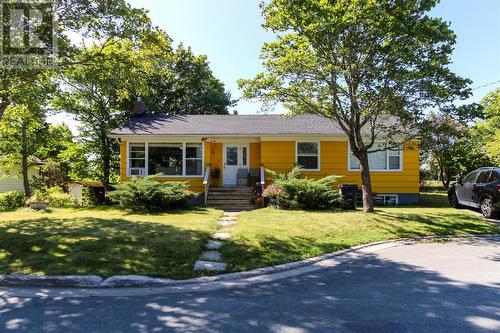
(229, 195)
(231, 198)
(231, 189)
(230, 202)
(233, 208)
(245, 200)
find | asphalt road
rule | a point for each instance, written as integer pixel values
(430, 287)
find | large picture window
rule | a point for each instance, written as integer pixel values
(165, 159)
(308, 155)
(380, 160)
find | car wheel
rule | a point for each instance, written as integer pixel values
(454, 200)
(487, 208)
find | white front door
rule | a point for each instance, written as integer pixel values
(235, 158)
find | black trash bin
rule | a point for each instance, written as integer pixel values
(348, 193)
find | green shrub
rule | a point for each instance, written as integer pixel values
(12, 200)
(90, 197)
(55, 197)
(291, 192)
(148, 194)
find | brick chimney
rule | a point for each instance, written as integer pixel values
(139, 108)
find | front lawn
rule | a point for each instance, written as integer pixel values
(108, 241)
(104, 241)
(267, 237)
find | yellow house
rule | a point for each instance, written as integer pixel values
(225, 152)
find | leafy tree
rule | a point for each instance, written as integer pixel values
(178, 81)
(23, 129)
(96, 94)
(59, 137)
(451, 146)
(100, 92)
(373, 67)
(182, 83)
(449, 142)
(103, 20)
(63, 158)
(22, 132)
(489, 129)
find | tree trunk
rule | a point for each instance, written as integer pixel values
(446, 179)
(24, 161)
(3, 106)
(441, 176)
(366, 183)
(105, 159)
(105, 170)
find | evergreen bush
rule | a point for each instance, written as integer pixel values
(148, 194)
(289, 191)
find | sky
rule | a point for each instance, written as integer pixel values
(229, 32)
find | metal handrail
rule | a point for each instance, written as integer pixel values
(206, 182)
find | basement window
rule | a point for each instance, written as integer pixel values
(385, 200)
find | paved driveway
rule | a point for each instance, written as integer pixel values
(431, 287)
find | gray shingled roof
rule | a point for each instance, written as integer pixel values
(213, 125)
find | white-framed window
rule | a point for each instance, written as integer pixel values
(385, 160)
(307, 155)
(137, 159)
(386, 199)
(166, 159)
(194, 159)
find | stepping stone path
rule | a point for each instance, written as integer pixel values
(224, 223)
(214, 244)
(211, 256)
(211, 260)
(222, 236)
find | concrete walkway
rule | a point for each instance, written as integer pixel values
(211, 259)
(422, 287)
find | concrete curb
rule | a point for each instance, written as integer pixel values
(123, 281)
(138, 282)
(59, 281)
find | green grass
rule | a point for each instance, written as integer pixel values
(108, 241)
(104, 241)
(267, 237)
